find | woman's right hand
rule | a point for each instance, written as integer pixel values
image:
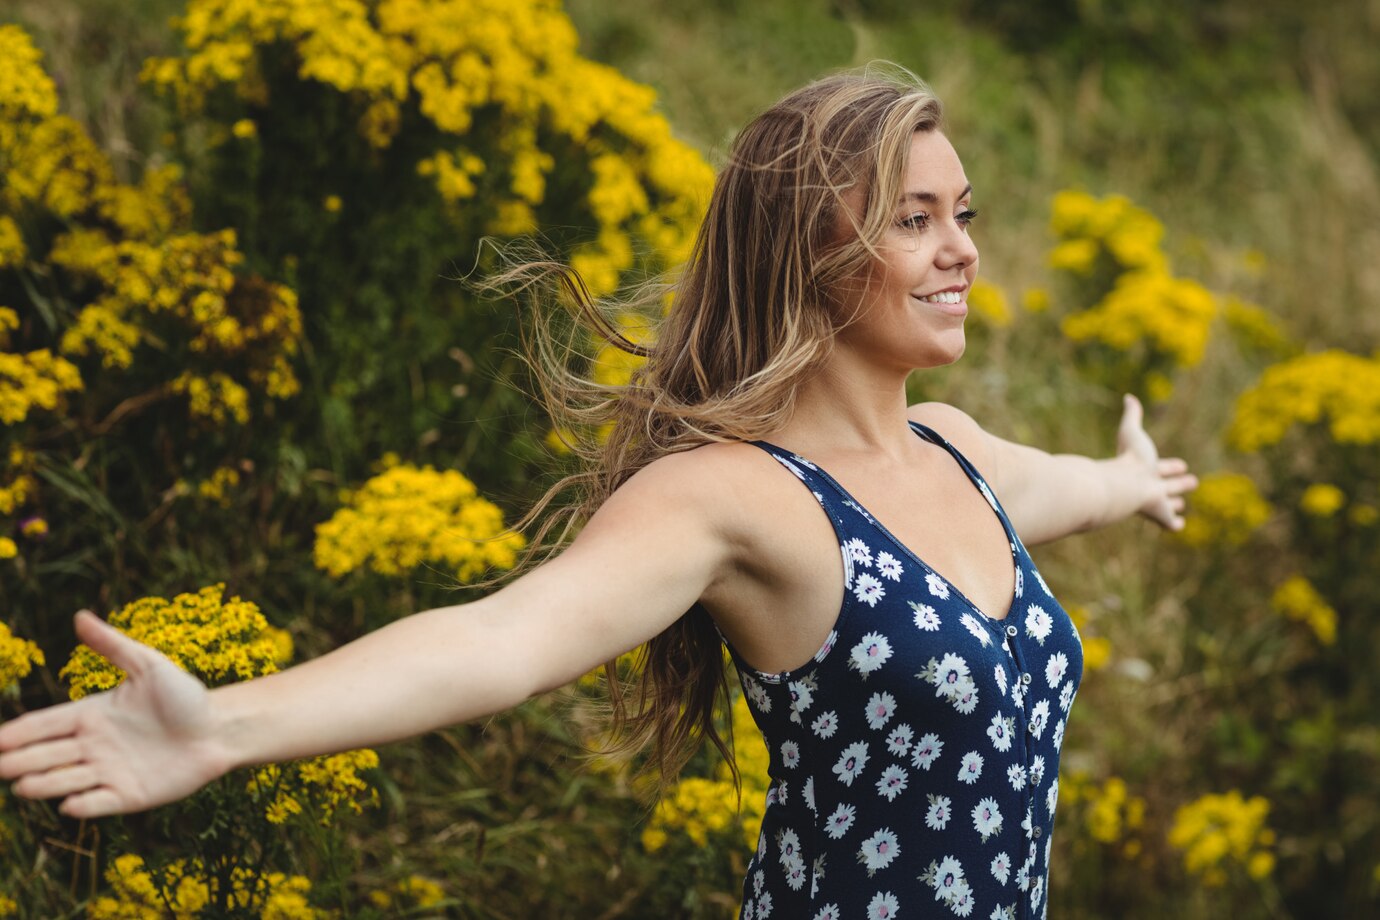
(149, 741)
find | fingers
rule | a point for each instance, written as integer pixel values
(1172, 466)
(53, 722)
(39, 757)
(1177, 485)
(93, 803)
(1133, 413)
(105, 639)
(62, 781)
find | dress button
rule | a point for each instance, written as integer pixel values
(1038, 831)
(1025, 678)
(1011, 630)
(1030, 727)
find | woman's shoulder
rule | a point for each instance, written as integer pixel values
(958, 428)
(732, 483)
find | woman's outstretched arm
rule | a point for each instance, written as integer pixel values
(1049, 496)
(640, 562)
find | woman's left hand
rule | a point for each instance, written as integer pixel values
(1166, 480)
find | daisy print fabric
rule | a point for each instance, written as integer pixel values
(915, 758)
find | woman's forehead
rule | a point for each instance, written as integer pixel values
(934, 174)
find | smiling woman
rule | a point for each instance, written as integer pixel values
(910, 670)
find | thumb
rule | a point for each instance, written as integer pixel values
(106, 640)
(1133, 414)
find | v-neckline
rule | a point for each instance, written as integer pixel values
(929, 434)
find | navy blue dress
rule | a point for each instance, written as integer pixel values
(915, 760)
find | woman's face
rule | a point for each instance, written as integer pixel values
(913, 301)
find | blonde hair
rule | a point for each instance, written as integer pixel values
(753, 312)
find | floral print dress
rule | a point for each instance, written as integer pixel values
(915, 759)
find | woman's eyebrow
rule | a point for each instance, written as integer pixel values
(931, 197)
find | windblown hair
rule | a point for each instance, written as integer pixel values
(809, 189)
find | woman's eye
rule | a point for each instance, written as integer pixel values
(916, 221)
(966, 217)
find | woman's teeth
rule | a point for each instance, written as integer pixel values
(942, 297)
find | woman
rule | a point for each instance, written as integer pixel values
(904, 659)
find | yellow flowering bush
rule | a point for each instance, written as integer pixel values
(1220, 831)
(1225, 509)
(1332, 387)
(1141, 324)
(325, 784)
(989, 301)
(1097, 650)
(1297, 599)
(217, 639)
(701, 808)
(1168, 316)
(1110, 815)
(500, 82)
(188, 888)
(412, 893)
(17, 657)
(1255, 328)
(410, 516)
(1322, 499)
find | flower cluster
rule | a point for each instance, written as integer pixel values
(409, 894)
(145, 281)
(186, 890)
(701, 807)
(1217, 831)
(1111, 228)
(321, 786)
(1256, 329)
(406, 517)
(1140, 311)
(1226, 508)
(1110, 813)
(1169, 316)
(1332, 386)
(503, 84)
(17, 657)
(989, 301)
(1322, 500)
(216, 639)
(1297, 599)
(1097, 650)
(32, 380)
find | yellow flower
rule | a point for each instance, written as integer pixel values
(218, 488)
(244, 129)
(1297, 599)
(1078, 257)
(185, 889)
(1333, 386)
(1035, 300)
(1363, 514)
(332, 204)
(406, 517)
(1225, 508)
(1217, 830)
(1170, 315)
(17, 657)
(1255, 328)
(216, 639)
(35, 380)
(12, 249)
(8, 548)
(990, 302)
(1322, 499)
(34, 527)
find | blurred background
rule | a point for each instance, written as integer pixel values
(251, 410)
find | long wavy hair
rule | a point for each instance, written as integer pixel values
(808, 190)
